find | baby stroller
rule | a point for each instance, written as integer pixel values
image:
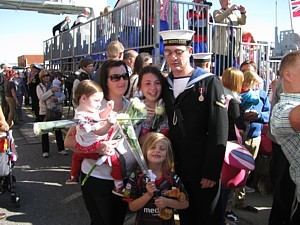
(8, 156)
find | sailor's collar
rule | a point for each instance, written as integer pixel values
(196, 76)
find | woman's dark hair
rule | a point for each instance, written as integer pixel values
(139, 62)
(85, 62)
(154, 70)
(104, 73)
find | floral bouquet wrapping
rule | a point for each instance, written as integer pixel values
(133, 115)
(46, 127)
(126, 129)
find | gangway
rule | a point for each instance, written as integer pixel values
(137, 27)
(130, 24)
(55, 6)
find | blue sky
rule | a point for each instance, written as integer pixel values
(23, 32)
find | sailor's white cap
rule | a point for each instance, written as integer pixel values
(177, 37)
(87, 10)
(202, 57)
(38, 66)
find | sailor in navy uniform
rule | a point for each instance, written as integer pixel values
(203, 60)
(196, 109)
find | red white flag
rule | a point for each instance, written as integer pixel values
(295, 8)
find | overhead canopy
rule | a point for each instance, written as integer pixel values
(55, 6)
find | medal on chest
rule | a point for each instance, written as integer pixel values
(201, 96)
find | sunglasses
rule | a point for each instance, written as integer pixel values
(46, 75)
(117, 77)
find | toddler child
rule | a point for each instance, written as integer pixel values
(58, 94)
(94, 128)
(249, 95)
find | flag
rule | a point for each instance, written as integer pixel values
(295, 8)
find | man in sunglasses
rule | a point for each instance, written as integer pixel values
(198, 123)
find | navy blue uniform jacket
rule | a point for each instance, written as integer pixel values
(199, 137)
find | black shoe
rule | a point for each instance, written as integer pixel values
(248, 208)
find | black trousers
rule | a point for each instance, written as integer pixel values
(283, 187)
(45, 139)
(35, 103)
(104, 207)
(205, 205)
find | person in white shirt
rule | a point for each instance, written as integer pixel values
(82, 17)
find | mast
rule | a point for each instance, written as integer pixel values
(291, 14)
(276, 28)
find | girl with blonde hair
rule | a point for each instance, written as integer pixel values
(150, 197)
(249, 98)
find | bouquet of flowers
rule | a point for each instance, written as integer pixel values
(159, 115)
(49, 126)
(134, 114)
(126, 129)
(40, 128)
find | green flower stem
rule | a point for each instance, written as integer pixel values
(133, 118)
(88, 175)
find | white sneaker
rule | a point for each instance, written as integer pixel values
(63, 152)
(45, 154)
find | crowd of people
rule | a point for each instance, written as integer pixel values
(185, 149)
(13, 91)
(185, 98)
(220, 31)
(196, 115)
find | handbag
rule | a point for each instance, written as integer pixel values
(237, 162)
(53, 114)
